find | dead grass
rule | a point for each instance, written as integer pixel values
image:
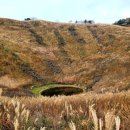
(101, 63)
(85, 111)
(106, 48)
(13, 83)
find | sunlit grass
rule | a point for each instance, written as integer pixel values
(37, 89)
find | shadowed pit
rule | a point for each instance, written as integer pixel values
(61, 91)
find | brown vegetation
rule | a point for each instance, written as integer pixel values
(83, 112)
(96, 57)
(39, 51)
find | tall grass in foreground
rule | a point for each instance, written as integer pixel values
(80, 112)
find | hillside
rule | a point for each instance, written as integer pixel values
(40, 52)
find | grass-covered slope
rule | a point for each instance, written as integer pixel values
(95, 56)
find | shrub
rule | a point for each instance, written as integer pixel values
(93, 31)
(75, 34)
(38, 38)
(53, 67)
(60, 39)
(27, 19)
(120, 22)
(72, 31)
(28, 70)
(64, 54)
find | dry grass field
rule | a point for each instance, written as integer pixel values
(95, 56)
(35, 54)
(88, 111)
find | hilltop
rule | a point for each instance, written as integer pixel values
(39, 52)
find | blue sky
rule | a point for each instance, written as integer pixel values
(101, 11)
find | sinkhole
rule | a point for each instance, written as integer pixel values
(67, 91)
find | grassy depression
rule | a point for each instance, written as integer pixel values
(56, 89)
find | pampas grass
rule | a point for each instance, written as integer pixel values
(118, 122)
(94, 117)
(97, 112)
(72, 126)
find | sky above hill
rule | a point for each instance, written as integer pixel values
(101, 11)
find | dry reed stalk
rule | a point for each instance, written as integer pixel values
(1, 90)
(31, 128)
(43, 128)
(94, 117)
(67, 109)
(16, 124)
(72, 125)
(100, 124)
(118, 122)
(109, 120)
